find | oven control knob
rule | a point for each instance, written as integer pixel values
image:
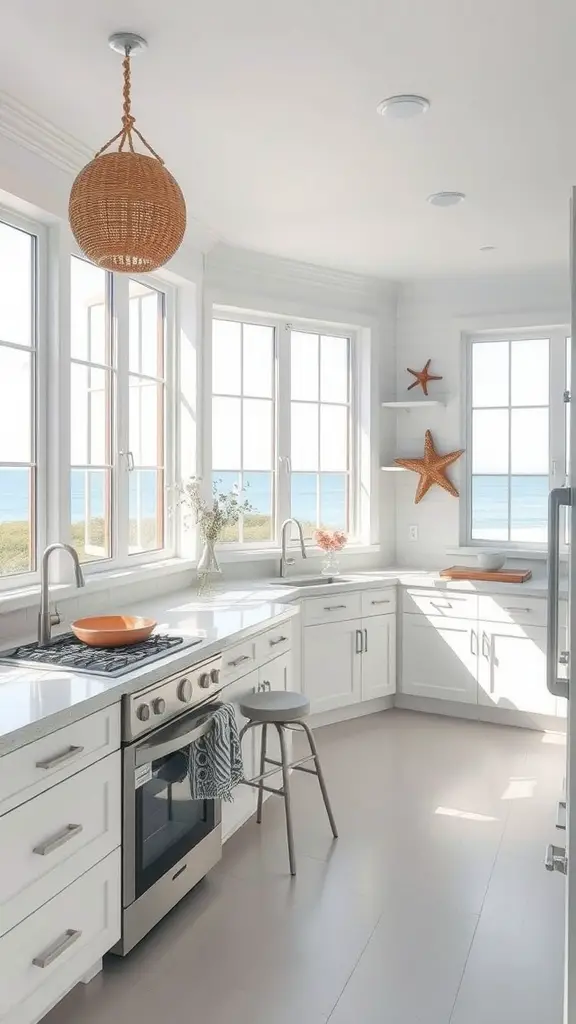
(185, 691)
(204, 680)
(143, 712)
(215, 676)
(159, 706)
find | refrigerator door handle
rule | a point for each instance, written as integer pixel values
(558, 498)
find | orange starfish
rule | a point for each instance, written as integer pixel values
(422, 377)
(432, 469)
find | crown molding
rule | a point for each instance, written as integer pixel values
(225, 260)
(23, 126)
(31, 131)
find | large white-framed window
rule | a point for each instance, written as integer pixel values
(283, 423)
(22, 392)
(517, 434)
(121, 412)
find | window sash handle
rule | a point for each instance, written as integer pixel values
(129, 460)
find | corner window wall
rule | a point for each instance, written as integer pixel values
(288, 447)
(86, 408)
(19, 478)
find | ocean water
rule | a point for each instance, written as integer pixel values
(528, 499)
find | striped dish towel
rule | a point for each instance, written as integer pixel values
(215, 761)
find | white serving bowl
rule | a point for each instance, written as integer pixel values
(490, 560)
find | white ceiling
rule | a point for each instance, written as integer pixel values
(266, 113)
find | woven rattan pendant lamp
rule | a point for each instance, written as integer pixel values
(126, 210)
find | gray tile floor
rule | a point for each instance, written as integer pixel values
(432, 907)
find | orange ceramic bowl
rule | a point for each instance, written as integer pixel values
(112, 630)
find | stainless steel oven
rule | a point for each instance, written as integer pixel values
(169, 840)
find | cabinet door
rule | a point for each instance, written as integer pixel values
(237, 811)
(379, 656)
(439, 658)
(512, 672)
(332, 664)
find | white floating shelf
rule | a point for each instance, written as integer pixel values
(393, 469)
(412, 404)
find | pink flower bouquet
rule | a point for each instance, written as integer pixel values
(330, 540)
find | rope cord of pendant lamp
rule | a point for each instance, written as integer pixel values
(128, 120)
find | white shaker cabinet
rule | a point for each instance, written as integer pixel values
(332, 664)
(512, 668)
(440, 658)
(378, 656)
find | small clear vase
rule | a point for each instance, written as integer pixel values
(208, 570)
(330, 565)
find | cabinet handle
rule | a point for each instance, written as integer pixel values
(57, 948)
(333, 607)
(63, 758)
(385, 600)
(561, 816)
(445, 604)
(515, 608)
(473, 642)
(238, 661)
(280, 640)
(365, 640)
(64, 836)
(358, 641)
(485, 646)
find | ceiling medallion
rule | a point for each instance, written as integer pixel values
(432, 469)
(126, 210)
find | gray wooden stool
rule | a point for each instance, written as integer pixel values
(283, 709)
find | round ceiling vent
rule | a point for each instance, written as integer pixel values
(446, 198)
(404, 106)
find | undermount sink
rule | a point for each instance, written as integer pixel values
(308, 581)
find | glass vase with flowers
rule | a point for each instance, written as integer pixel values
(212, 516)
(331, 542)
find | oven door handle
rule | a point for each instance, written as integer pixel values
(171, 739)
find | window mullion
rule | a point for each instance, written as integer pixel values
(120, 417)
(282, 339)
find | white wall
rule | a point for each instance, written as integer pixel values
(432, 316)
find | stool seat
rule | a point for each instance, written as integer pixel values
(275, 706)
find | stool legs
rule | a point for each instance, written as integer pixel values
(320, 775)
(287, 801)
(262, 771)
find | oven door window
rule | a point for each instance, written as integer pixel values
(169, 823)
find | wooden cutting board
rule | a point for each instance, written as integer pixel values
(464, 572)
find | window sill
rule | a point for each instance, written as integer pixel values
(239, 554)
(525, 554)
(28, 597)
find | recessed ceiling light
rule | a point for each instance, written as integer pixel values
(403, 106)
(446, 198)
(487, 248)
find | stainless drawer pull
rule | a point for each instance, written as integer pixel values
(59, 759)
(333, 607)
(54, 951)
(385, 600)
(280, 640)
(64, 836)
(238, 661)
(561, 816)
(515, 608)
(556, 859)
(444, 604)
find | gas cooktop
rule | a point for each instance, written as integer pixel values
(67, 651)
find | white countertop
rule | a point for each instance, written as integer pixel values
(34, 702)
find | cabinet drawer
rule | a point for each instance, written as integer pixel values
(527, 611)
(439, 602)
(238, 661)
(378, 602)
(45, 955)
(51, 840)
(30, 770)
(332, 608)
(274, 642)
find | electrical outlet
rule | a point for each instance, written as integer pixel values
(413, 532)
